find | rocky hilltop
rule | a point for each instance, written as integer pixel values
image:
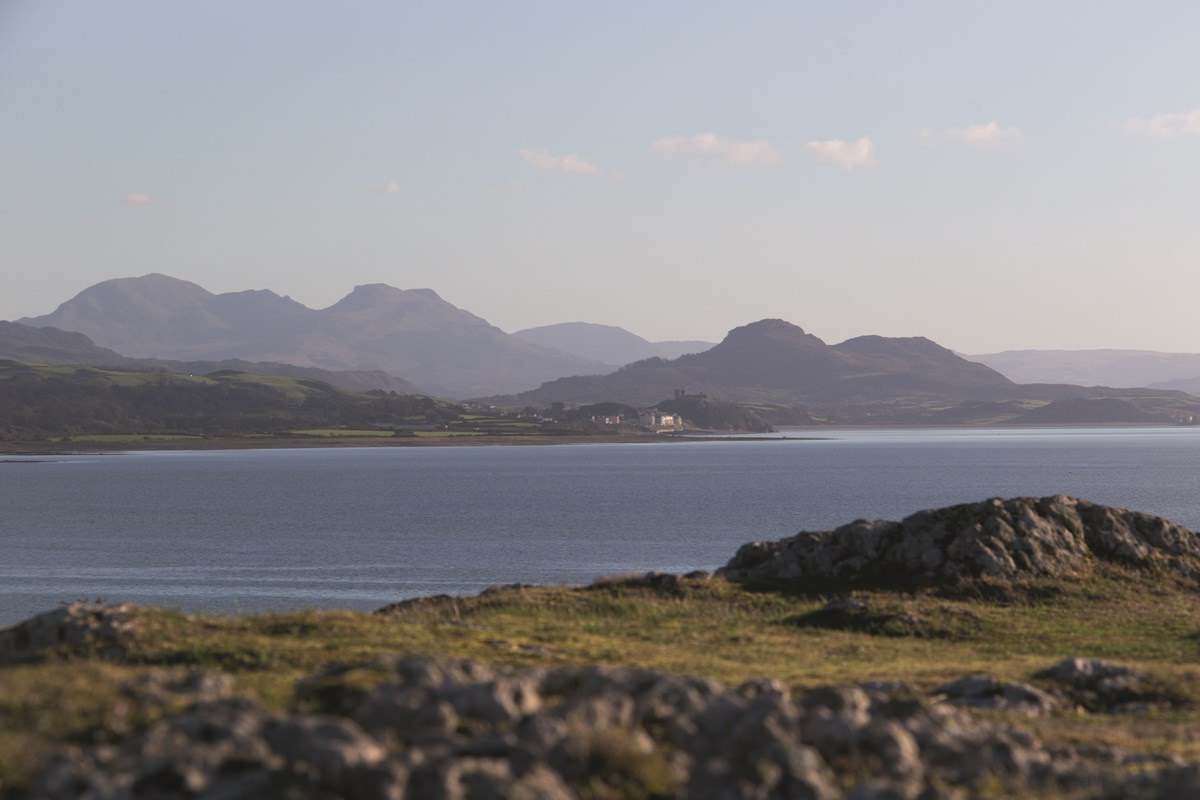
(1015, 539)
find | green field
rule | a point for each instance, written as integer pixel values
(114, 377)
(117, 438)
(446, 434)
(339, 432)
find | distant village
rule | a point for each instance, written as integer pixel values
(608, 415)
(655, 420)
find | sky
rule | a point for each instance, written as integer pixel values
(991, 175)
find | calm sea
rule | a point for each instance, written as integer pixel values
(359, 528)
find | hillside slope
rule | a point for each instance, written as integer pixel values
(53, 346)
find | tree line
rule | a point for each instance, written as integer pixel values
(35, 405)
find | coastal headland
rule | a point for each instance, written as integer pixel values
(1031, 647)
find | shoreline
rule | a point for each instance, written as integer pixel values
(18, 449)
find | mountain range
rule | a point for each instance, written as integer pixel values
(773, 361)
(777, 367)
(412, 334)
(1124, 368)
(420, 343)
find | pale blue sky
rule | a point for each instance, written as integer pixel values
(1030, 175)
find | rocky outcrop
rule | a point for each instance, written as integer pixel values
(1083, 683)
(80, 627)
(406, 726)
(1016, 539)
(1098, 685)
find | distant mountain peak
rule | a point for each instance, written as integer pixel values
(909, 345)
(607, 344)
(156, 276)
(776, 330)
(770, 325)
(372, 295)
(150, 283)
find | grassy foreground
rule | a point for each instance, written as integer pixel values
(699, 626)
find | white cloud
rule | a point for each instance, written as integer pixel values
(738, 154)
(986, 134)
(1167, 125)
(568, 163)
(137, 199)
(851, 155)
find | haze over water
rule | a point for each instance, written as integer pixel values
(359, 528)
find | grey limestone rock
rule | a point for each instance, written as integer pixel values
(1014, 539)
(444, 728)
(985, 691)
(92, 627)
(1104, 686)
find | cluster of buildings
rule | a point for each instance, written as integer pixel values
(650, 418)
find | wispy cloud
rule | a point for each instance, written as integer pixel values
(986, 134)
(136, 199)
(1167, 125)
(738, 154)
(568, 163)
(850, 155)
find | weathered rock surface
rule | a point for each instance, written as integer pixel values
(417, 727)
(985, 691)
(92, 628)
(1103, 686)
(1015, 539)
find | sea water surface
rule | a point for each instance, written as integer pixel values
(361, 527)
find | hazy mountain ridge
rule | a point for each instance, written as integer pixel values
(1118, 368)
(867, 379)
(378, 331)
(607, 344)
(775, 361)
(53, 346)
(413, 334)
(20, 342)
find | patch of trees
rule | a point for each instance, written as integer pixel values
(717, 415)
